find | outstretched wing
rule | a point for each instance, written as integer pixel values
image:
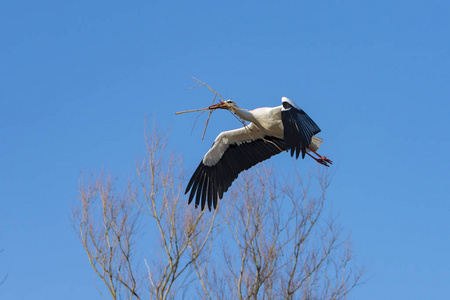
(299, 128)
(210, 182)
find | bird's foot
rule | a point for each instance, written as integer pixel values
(324, 162)
(321, 159)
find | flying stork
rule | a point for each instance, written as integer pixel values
(271, 131)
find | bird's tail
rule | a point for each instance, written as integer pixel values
(315, 143)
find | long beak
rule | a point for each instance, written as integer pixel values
(222, 105)
(212, 107)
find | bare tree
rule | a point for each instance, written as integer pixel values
(268, 238)
(281, 247)
(107, 225)
(183, 234)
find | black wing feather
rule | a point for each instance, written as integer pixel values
(299, 129)
(209, 183)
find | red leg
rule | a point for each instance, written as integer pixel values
(321, 160)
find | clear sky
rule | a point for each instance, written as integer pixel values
(79, 78)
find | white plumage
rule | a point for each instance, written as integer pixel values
(271, 131)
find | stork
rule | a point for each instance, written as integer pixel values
(272, 130)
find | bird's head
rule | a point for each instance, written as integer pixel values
(227, 104)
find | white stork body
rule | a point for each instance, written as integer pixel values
(264, 121)
(271, 131)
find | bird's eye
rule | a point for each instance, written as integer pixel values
(286, 105)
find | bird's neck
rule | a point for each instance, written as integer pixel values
(245, 114)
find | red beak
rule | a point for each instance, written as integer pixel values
(218, 105)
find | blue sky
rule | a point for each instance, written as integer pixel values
(78, 79)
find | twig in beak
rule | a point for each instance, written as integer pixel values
(211, 108)
(208, 86)
(206, 125)
(193, 110)
(195, 122)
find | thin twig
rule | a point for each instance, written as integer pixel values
(216, 94)
(206, 124)
(208, 86)
(192, 110)
(196, 121)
